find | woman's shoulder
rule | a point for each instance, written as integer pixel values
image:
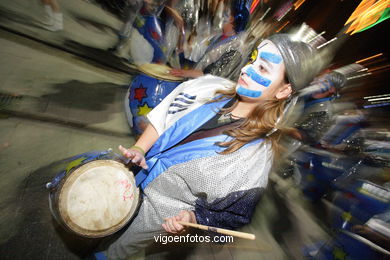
(209, 79)
(205, 87)
(261, 148)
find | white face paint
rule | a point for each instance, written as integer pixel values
(226, 17)
(261, 79)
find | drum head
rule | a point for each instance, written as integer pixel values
(98, 198)
(158, 71)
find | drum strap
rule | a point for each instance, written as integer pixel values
(141, 176)
(210, 132)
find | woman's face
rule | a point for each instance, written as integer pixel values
(264, 78)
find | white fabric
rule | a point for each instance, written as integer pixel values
(203, 88)
(141, 51)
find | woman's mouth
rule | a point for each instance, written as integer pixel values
(241, 82)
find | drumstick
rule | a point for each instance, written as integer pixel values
(219, 230)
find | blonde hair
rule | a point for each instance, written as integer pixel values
(258, 124)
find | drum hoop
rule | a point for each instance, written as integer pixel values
(66, 185)
(145, 71)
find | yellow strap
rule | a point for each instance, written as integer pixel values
(138, 148)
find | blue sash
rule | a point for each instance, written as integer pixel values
(161, 157)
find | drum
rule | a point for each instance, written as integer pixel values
(146, 91)
(94, 195)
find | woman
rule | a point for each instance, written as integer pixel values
(208, 161)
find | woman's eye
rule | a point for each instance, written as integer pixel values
(262, 68)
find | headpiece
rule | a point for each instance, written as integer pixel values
(300, 59)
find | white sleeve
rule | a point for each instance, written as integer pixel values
(157, 117)
(196, 92)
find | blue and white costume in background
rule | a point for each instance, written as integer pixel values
(222, 190)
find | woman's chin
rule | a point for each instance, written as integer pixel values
(248, 99)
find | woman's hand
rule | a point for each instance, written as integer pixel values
(171, 224)
(135, 155)
(186, 73)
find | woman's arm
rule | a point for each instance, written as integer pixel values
(184, 73)
(157, 117)
(231, 212)
(137, 152)
(148, 138)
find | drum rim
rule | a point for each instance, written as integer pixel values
(70, 179)
(143, 70)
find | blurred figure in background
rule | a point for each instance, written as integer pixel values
(54, 21)
(141, 38)
(318, 108)
(224, 52)
(130, 12)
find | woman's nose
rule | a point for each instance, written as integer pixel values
(244, 70)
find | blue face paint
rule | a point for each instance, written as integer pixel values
(248, 93)
(271, 57)
(257, 78)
